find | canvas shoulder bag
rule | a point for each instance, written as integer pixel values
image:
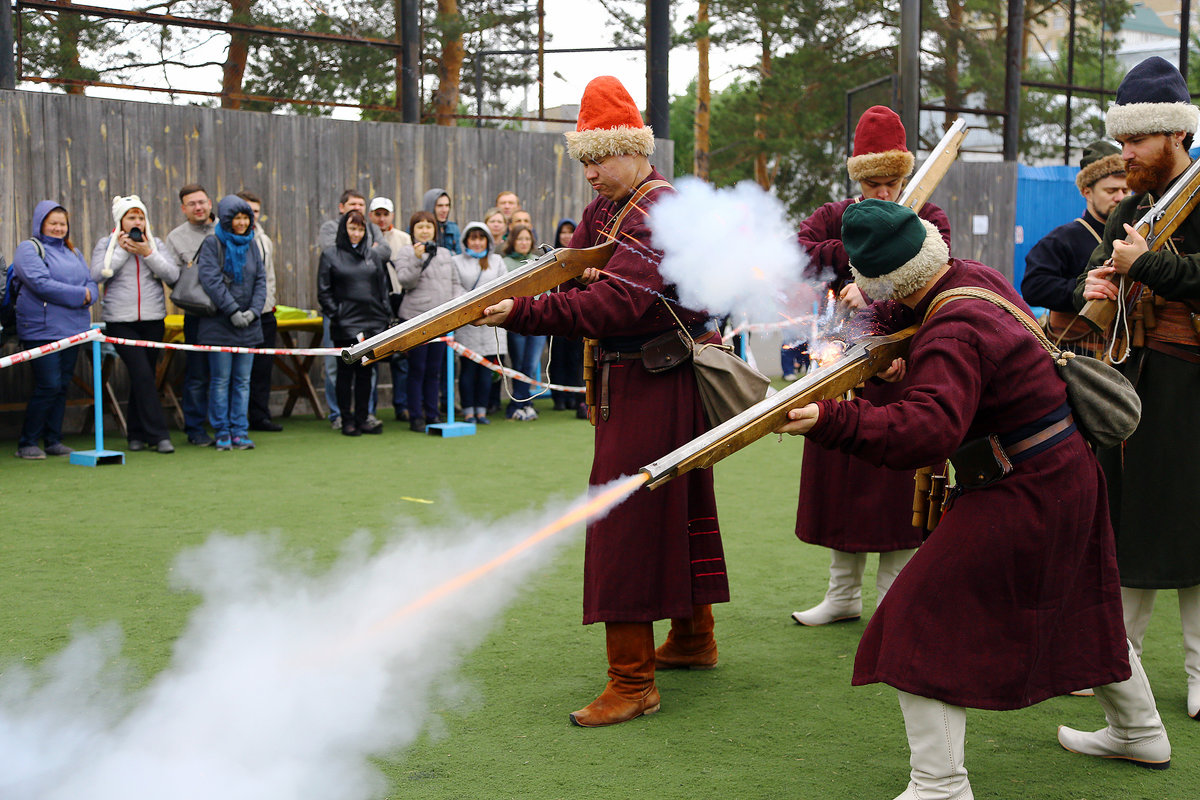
(188, 293)
(1107, 408)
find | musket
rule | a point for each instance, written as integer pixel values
(918, 189)
(862, 361)
(1156, 226)
(535, 277)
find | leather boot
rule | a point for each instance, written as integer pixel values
(1137, 605)
(843, 598)
(1135, 732)
(937, 735)
(890, 565)
(630, 691)
(690, 643)
(1189, 619)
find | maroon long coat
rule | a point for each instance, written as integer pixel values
(659, 552)
(1015, 597)
(846, 503)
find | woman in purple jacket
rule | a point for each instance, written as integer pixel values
(56, 290)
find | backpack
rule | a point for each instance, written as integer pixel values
(11, 291)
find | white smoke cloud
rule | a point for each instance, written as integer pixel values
(284, 682)
(732, 251)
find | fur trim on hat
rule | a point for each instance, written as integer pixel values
(1138, 119)
(913, 274)
(1102, 168)
(600, 143)
(880, 165)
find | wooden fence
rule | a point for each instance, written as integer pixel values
(82, 151)
(980, 199)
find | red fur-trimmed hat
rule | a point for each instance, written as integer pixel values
(609, 123)
(880, 149)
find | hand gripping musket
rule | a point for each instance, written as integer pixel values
(1156, 227)
(552, 269)
(862, 361)
(918, 189)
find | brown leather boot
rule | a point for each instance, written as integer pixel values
(690, 643)
(630, 691)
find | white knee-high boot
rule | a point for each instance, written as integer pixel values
(937, 735)
(1137, 605)
(1135, 732)
(890, 565)
(1189, 619)
(843, 598)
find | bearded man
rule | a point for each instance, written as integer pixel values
(1153, 513)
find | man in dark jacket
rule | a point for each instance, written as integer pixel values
(1013, 599)
(1055, 263)
(1157, 528)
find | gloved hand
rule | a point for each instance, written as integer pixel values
(241, 319)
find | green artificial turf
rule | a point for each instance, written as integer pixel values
(80, 547)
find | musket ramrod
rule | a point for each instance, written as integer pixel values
(862, 361)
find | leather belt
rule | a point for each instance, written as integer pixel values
(1049, 432)
(1159, 346)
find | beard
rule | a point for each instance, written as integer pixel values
(1155, 172)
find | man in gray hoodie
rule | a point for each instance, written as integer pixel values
(182, 244)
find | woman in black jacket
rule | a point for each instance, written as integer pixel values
(352, 288)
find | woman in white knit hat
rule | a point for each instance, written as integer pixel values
(132, 266)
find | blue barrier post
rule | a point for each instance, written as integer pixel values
(98, 456)
(450, 427)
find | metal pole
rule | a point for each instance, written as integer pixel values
(479, 88)
(910, 72)
(1185, 33)
(658, 42)
(410, 24)
(1070, 84)
(541, 60)
(8, 67)
(1012, 79)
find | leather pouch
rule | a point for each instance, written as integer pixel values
(980, 462)
(666, 352)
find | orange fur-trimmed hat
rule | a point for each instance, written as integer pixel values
(609, 123)
(880, 148)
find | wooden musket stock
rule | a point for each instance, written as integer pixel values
(1156, 226)
(860, 362)
(918, 189)
(552, 269)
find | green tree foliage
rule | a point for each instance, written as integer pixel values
(71, 47)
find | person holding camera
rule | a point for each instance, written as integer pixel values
(427, 273)
(132, 266)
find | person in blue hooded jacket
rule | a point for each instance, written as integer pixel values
(56, 291)
(437, 202)
(233, 276)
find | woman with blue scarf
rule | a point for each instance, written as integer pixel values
(231, 272)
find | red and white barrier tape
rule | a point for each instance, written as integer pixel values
(512, 373)
(38, 352)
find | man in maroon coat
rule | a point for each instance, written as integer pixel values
(658, 554)
(1015, 597)
(833, 483)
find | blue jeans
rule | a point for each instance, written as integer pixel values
(48, 403)
(794, 358)
(229, 392)
(525, 353)
(195, 382)
(474, 385)
(399, 365)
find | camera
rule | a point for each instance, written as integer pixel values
(136, 234)
(430, 248)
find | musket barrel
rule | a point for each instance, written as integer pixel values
(552, 269)
(860, 362)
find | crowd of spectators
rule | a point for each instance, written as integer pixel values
(370, 274)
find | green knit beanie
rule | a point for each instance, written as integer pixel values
(881, 236)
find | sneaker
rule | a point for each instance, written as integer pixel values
(59, 449)
(136, 445)
(401, 414)
(203, 440)
(530, 413)
(224, 442)
(242, 443)
(482, 421)
(372, 429)
(336, 423)
(350, 429)
(31, 452)
(371, 422)
(164, 446)
(791, 376)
